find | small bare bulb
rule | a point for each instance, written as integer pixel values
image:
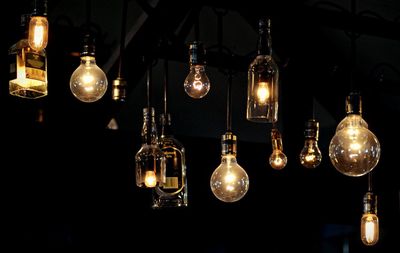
(310, 155)
(197, 83)
(278, 160)
(150, 179)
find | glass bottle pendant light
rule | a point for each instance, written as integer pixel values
(263, 80)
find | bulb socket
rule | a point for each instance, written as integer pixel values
(39, 8)
(88, 45)
(370, 201)
(148, 112)
(264, 25)
(197, 53)
(229, 143)
(118, 93)
(354, 103)
(311, 129)
(276, 140)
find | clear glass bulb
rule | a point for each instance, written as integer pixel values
(38, 32)
(310, 155)
(369, 229)
(197, 83)
(277, 159)
(354, 150)
(229, 182)
(88, 83)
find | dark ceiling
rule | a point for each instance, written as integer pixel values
(74, 188)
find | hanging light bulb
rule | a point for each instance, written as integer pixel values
(354, 150)
(197, 83)
(369, 220)
(88, 83)
(277, 159)
(38, 26)
(310, 155)
(229, 182)
(263, 74)
(150, 160)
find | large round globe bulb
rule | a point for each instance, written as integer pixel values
(229, 182)
(354, 150)
(88, 83)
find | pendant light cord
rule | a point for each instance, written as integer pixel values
(370, 181)
(88, 15)
(149, 72)
(353, 51)
(122, 38)
(165, 85)
(229, 103)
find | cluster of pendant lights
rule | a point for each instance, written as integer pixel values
(354, 150)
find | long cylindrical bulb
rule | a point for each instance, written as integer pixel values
(38, 32)
(369, 229)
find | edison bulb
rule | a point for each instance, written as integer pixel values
(150, 179)
(197, 83)
(369, 229)
(38, 32)
(88, 83)
(277, 159)
(262, 92)
(229, 182)
(354, 150)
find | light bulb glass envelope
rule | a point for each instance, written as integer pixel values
(310, 155)
(197, 83)
(229, 182)
(354, 150)
(88, 82)
(38, 32)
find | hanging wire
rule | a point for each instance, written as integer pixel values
(165, 85)
(122, 38)
(197, 27)
(370, 181)
(229, 103)
(353, 52)
(88, 14)
(149, 72)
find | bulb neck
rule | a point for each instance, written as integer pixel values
(229, 144)
(311, 129)
(39, 8)
(354, 103)
(165, 122)
(149, 130)
(264, 46)
(276, 140)
(119, 86)
(370, 201)
(197, 53)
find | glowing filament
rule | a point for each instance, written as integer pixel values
(262, 92)
(150, 179)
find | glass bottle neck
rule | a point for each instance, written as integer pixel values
(149, 131)
(264, 46)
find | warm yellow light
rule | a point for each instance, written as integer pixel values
(230, 177)
(369, 229)
(310, 157)
(262, 92)
(278, 160)
(38, 32)
(150, 179)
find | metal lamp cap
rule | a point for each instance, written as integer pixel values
(354, 103)
(311, 129)
(229, 143)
